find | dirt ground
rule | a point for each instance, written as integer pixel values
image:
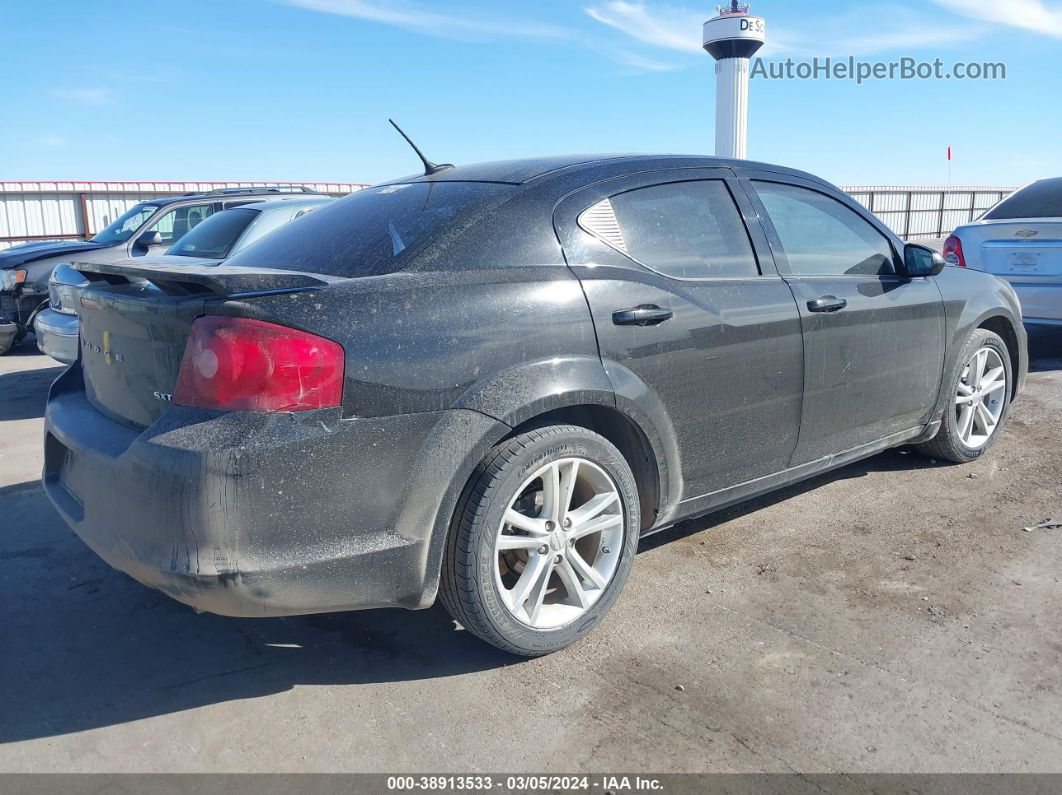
(891, 616)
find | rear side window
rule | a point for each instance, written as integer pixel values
(376, 230)
(1042, 199)
(823, 237)
(685, 230)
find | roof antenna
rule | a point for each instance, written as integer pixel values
(429, 167)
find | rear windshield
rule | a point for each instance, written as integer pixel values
(376, 230)
(1042, 199)
(214, 237)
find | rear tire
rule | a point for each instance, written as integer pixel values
(973, 417)
(537, 585)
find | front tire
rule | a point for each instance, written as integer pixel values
(978, 401)
(542, 541)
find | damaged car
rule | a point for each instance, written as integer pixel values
(485, 384)
(219, 236)
(147, 228)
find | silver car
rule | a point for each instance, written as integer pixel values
(1020, 240)
(217, 237)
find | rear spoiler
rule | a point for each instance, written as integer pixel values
(227, 280)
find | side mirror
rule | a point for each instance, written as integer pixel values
(149, 239)
(921, 260)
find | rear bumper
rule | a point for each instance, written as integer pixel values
(251, 514)
(57, 335)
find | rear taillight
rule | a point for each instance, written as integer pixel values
(952, 252)
(240, 364)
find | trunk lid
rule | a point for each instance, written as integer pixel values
(135, 319)
(1021, 250)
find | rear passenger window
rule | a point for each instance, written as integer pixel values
(686, 230)
(823, 237)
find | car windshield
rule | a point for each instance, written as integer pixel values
(1042, 199)
(376, 230)
(123, 227)
(214, 237)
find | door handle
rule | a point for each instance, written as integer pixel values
(828, 303)
(647, 315)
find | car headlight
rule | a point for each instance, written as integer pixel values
(11, 279)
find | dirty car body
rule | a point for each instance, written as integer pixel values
(471, 304)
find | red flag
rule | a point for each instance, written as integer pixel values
(949, 153)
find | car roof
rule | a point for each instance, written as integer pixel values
(284, 204)
(229, 194)
(523, 171)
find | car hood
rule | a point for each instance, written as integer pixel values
(42, 249)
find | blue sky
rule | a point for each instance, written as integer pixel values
(302, 89)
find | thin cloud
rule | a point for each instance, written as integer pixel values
(52, 141)
(883, 28)
(908, 39)
(1034, 15)
(894, 27)
(669, 27)
(420, 18)
(85, 96)
(662, 26)
(628, 58)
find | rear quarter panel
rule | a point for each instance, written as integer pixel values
(419, 342)
(476, 350)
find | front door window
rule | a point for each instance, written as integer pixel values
(172, 226)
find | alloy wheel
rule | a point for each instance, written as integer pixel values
(559, 543)
(980, 397)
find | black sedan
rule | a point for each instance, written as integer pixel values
(485, 383)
